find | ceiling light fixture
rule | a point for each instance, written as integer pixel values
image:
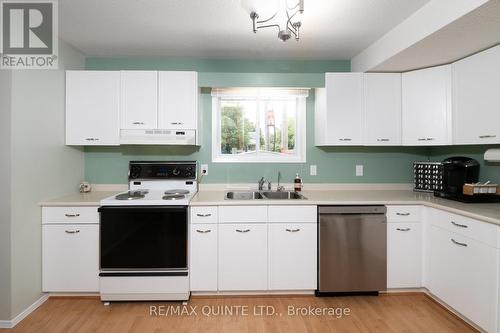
(289, 28)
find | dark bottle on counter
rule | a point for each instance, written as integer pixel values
(297, 183)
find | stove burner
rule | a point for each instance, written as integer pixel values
(131, 195)
(177, 192)
(173, 196)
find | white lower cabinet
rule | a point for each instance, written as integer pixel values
(404, 255)
(292, 256)
(242, 257)
(203, 257)
(463, 272)
(70, 255)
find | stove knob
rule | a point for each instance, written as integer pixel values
(135, 172)
(189, 172)
(176, 172)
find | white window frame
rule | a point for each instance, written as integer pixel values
(260, 94)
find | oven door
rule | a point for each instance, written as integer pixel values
(143, 238)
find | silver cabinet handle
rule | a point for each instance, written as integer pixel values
(403, 214)
(71, 215)
(293, 230)
(345, 139)
(92, 139)
(243, 231)
(203, 231)
(403, 229)
(204, 215)
(459, 225)
(383, 140)
(176, 123)
(72, 231)
(458, 243)
(487, 136)
(137, 123)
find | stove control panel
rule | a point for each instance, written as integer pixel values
(144, 170)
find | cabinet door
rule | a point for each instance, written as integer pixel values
(92, 108)
(292, 256)
(476, 99)
(139, 99)
(243, 257)
(404, 255)
(203, 257)
(341, 120)
(382, 109)
(463, 273)
(70, 258)
(427, 107)
(178, 100)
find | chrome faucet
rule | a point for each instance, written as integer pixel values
(280, 188)
(262, 181)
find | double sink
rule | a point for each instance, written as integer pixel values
(262, 195)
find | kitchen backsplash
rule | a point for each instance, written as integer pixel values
(108, 165)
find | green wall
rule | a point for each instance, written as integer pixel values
(335, 164)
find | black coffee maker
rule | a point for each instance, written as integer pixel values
(456, 172)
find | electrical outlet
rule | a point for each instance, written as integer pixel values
(359, 171)
(204, 169)
(313, 170)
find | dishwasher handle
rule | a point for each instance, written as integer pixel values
(352, 210)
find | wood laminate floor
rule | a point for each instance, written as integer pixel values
(386, 313)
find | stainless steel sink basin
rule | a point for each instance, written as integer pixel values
(283, 195)
(243, 195)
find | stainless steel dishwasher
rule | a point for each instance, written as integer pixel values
(352, 250)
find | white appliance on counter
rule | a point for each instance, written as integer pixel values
(144, 234)
(492, 155)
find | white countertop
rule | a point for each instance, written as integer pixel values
(484, 212)
(79, 199)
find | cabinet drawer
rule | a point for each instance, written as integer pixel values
(295, 214)
(242, 214)
(403, 213)
(480, 231)
(206, 214)
(55, 215)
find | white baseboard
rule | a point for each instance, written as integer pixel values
(17, 319)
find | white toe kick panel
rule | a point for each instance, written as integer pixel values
(135, 288)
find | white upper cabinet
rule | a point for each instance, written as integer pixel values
(476, 98)
(339, 110)
(382, 109)
(427, 107)
(92, 108)
(139, 99)
(178, 100)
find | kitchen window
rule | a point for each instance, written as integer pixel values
(253, 125)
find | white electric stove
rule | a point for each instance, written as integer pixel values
(144, 234)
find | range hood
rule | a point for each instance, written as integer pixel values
(492, 155)
(158, 137)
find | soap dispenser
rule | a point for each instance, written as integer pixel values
(297, 183)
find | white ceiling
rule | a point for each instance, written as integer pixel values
(332, 29)
(473, 32)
